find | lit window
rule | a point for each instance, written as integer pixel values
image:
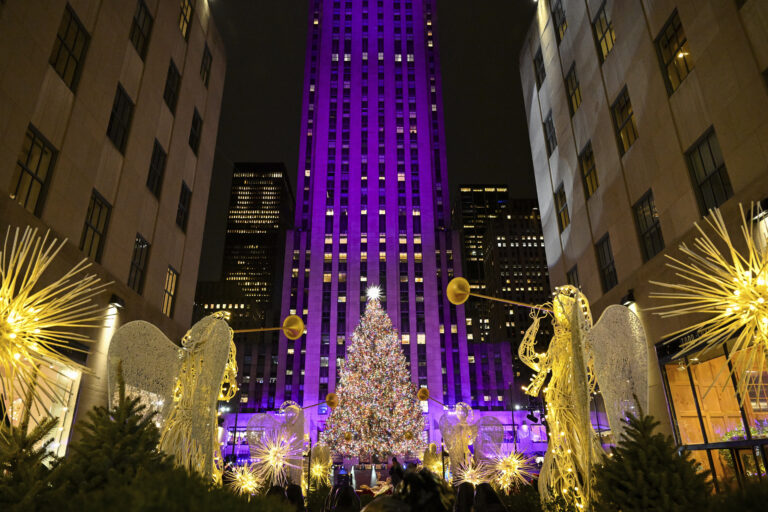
(95, 229)
(605, 37)
(169, 291)
(561, 208)
(648, 226)
(624, 121)
(588, 171)
(185, 17)
(672, 46)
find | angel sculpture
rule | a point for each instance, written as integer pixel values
(612, 354)
(458, 433)
(182, 384)
(275, 441)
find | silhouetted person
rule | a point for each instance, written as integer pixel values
(396, 472)
(465, 497)
(276, 490)
(346, 500)
(424, 491)
(486, 500)
(295, 498)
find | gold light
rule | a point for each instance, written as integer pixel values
(728, 286)
(38, 321)
(512, 470)
(243, 480)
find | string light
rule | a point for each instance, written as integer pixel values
(275, 452)
(378, 413)
(474, 473)
(512, 470)
(243, 480)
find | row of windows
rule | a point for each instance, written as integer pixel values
(29, 186)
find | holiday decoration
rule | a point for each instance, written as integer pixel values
(378, 412)
(459, 432)
(243, 480)
(182, 384)
(320, 470)
(38, 319)
(612, 354)
(287, 423)
(431, 460)
(275, 452)
(511, 471)
(729, 287)
(471, 472)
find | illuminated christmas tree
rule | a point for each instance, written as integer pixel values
(378, 412)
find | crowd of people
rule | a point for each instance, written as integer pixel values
(414, 490)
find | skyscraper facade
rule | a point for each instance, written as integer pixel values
(260, 212)
(516, 269)
(478, 205)
(372, 202)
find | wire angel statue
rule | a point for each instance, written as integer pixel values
(182, 384)
(612, 354)
(275, 441)
(459, 432)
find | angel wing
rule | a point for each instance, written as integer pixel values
(490, 436)
(620, 353)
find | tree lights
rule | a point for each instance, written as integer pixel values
(378, 413)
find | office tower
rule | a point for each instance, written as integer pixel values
(642, 116)
(372, 202)
(110, 114)
(477, 206)
(260, 212)
(516, 269)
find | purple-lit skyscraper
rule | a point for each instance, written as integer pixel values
(372, 202)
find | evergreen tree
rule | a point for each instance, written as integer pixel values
(23, 474)
(645, 472)
(113, 445)
(378, 413)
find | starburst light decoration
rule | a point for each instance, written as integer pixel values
(320, 470)
(730, 287)
(511, 471)
(276, 452)
(38, 319)
(474, 473)
(243, 480)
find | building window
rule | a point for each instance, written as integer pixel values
(95, 229)
(572, 87)
(558, 17)
(182, 213)
(648, 226)
(141, 28)
(205, 65)
(169, 291)
(605, 37)
(672, 46)
(156, 170)
(605, 263)
(538, 68)
(549, 134)
(172, 83)
(624, 121)
(588, 171)
(69, 49)
(185, 17)
(195, 131)
(708, 172)
(138, 264)
(120, 119)
(33, 171)
(572, 276)
(561, 207)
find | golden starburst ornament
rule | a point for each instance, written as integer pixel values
(243, 480)
(511, 471)
(39, 318)
(275, 452)
(474, 473)
(730, 287)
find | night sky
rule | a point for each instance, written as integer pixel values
(486, 134)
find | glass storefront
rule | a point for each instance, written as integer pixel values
(723, 436)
